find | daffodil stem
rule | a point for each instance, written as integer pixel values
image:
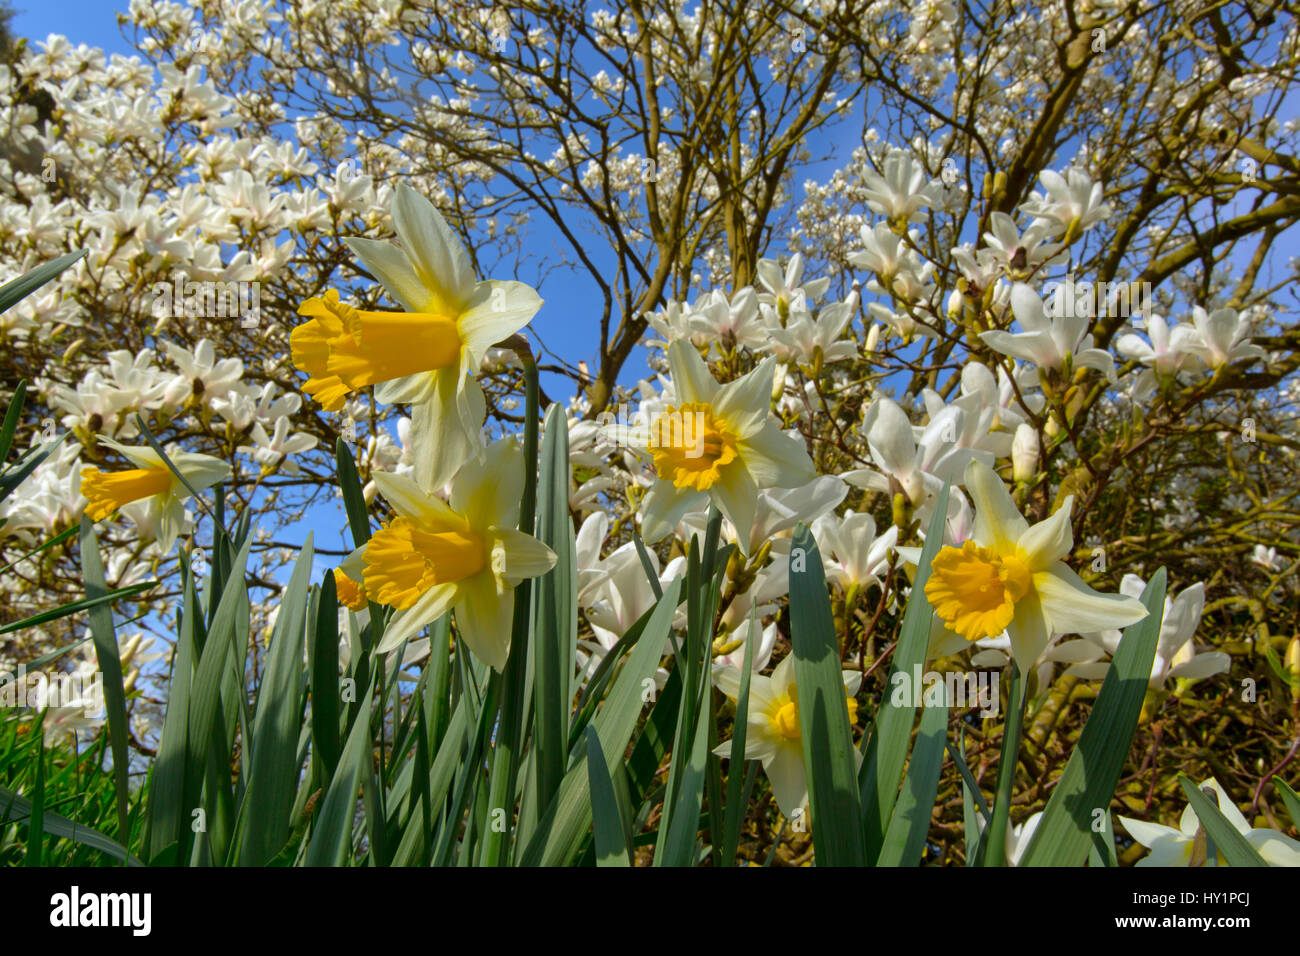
(995, 847)
(509, 738)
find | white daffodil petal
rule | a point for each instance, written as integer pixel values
(393, 269)
(497, 311)
(736, 496)
(434, 250)
(409, 499)
(664, 505)
(483, 618)
(785, 772)
(691, 378)
(1048, 541)
(743, 404)
(430, 606)
(776, 459)
(517, 556)
(487, 490)
(998, 523)
(1073, 607)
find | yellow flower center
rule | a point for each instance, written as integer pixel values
(975, 590)
(343, 349)
(107, 491)
(404, 560)
(783, 716)
(352, 594)
(690, 446)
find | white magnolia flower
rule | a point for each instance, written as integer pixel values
(853, 554)
(203, 378)
(802, 339)
(1224, 337)
(1073, 201)
(786, 291)
(902, 192)
(1173, 349)
(1048, 342)
(1179, 847)
(1176, 656)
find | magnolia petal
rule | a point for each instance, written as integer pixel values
(1202, 666)
(393, 269)
(1073, 607)
(483, 617)
(436, 253)
(430, 606)
(691, 379)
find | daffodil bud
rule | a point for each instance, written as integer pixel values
(1293, 665)
(1024, 453)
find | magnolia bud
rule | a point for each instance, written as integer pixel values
(873, 337)
(1024, 453)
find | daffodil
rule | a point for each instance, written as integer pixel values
(463, 555)
(151, 480)
(720, 443)
(1011, 576)
(426, 355)
(773, 731)
(1186, 845)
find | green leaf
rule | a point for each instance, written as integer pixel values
(12, 413)
(1088, 782)
(564, 825)
(828, 752)
(77, 607)
(36, 818)
(276, 725)
(331, 838)
(611, 844)
(18, 809)
(1231, 844)
(910, 825)
(736, 804)
(882, 770)
(557, 623)
(1290, 798)
(15, 290)
(325, 678)
(110, 667)
(167, 812)
(995, 844)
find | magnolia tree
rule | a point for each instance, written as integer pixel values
(994, 299)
